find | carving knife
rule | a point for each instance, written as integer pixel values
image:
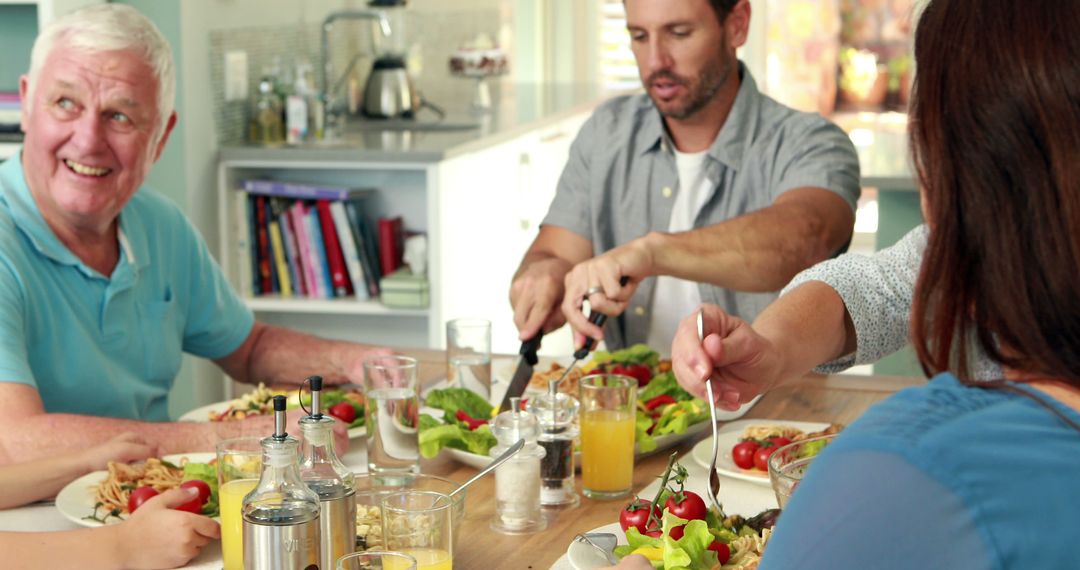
(524, 371)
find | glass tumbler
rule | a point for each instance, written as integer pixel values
(239, 465)
(608, 414)
(392, 407)
(420, 523)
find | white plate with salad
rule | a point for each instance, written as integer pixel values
(259, 402)
(700, 540)
(77, 499)
(729, 435)
(667, 414)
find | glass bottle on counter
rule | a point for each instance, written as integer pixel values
(267, 114)
(281, 515)
(557, 415)
(324, 473)
(517, 481)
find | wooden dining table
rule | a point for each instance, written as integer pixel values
(816, 398)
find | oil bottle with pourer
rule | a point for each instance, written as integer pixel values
(281, 516)
(324, 473)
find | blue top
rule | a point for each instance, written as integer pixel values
(940, 476)
(108, 346)
(621, 182)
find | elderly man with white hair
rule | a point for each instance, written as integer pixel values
(103, 283)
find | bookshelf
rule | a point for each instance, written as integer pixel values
(396, 189)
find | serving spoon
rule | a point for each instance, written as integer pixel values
(491, 466)
(714, 477)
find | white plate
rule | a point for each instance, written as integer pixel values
(76, 500)
(581, 556)
(728, 436)
(202, 414)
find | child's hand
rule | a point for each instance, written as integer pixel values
(156, 536)
(124, 448)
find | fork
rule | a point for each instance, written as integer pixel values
(584, 537)
(714, 477)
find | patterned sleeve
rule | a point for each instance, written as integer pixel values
(877, 291)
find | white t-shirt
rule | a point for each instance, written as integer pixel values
(675, 298)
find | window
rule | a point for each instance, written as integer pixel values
(618, 70)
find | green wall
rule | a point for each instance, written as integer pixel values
(18, 28)
(898, 212)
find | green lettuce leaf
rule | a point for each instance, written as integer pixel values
(663, 384)
(645, 441)
(450, 400)
(435, 435)
(691, 552)
(637, 354)
(208, 473)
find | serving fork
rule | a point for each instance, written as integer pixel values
(714, 477)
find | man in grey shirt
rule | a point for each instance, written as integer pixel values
(716, 190)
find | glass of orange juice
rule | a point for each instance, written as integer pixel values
(608, 411)
(376, 561)
(239, 465)
(419, 523)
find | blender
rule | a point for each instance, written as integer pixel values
(389, 91)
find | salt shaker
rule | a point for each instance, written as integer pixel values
(557, 415)
(517, 482)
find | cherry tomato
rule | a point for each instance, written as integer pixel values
(654, 533)
(140, 496)
(723, 551)
(195, 505)
(202, 486)
(779, 441)
(636, 515)
(677, 532)
(689, 506)
(743, 453)
(343, 411)
(639, 372)
(761, 457)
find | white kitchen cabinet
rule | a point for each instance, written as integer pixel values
(491, 203)
(480, 204)
(398, 189)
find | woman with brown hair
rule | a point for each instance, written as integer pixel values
(962, 473)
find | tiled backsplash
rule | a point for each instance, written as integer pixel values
(433, 36)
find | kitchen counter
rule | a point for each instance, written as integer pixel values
(518, 108)
(880, 139)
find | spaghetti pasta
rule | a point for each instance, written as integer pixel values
(123, 478)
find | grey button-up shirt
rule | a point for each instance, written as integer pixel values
(620, 182)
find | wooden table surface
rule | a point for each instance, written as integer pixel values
(835, 398)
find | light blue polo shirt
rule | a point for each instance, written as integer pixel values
(109, 346)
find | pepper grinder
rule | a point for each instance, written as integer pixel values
(281, 516)
(324, 473)
(557, 414)
(517, 482)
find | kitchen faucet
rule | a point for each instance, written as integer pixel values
(327, 89)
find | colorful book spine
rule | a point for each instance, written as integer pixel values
(242, 233)
(300, 191)
(303, 245)
(322, 273)
(335, 260)
(280, 265)
(391, 246)
(364, 247)
(275, 285)
(266, 286)
(348, 249)
(253, 241)
(291, 254)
